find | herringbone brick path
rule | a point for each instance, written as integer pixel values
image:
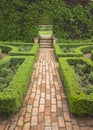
(45, 105)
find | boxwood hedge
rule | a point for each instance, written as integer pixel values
(12, 96)
(79, 102)
(79, 50)
(12, 48)
(58, 52)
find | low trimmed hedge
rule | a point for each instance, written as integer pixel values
(8, 48)
(12, 96)
(12, 49)
(79, 50)
(84, 49)
(79, 102)
(32, 52)
(58, 52)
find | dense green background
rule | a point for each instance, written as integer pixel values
(19, 19)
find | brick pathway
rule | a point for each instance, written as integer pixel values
(45, 105)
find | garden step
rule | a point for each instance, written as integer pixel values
(46, 41)
(45, 37)
(42, 45)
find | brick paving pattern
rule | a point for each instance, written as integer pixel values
(45, 104)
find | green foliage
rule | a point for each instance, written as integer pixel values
(91, 76)
(88, 90)
(73, 22)
(11, 97)
(80, 103)
(81, 68)
(15, 72)
(7, 73)
(60, 53)
(24, 48)
(19, 19)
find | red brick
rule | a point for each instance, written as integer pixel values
(67, 116)
(61, 122)
(59, 104)
(20, 121)
(41, 117)
(47, 102)
(29, 108)
(2, 127)
(27, 117)
(36, 103)
(47, 111)
(53, 108)
(68, 125)
(53, 101)
(54, 117)
(47, 120)
(76, 127)
(18, 128)
(26, 126)
(12, 126)
(41, 108)
(41, 126)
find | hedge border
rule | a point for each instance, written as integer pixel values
(12, 50)
(79, 50)
(79, 102)
(60, 54)
(12, 96)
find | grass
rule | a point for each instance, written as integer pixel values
(45, 32)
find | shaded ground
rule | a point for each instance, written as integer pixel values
(45, 105)
(3, 55)
(88, 55)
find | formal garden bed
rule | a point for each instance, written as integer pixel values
(76, 70)
(77, 76)
(72, 50)
(15, 72)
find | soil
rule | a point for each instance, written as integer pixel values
(4, 55)
(88, 55)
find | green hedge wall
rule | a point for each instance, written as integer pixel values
(19, 19)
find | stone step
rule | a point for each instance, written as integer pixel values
(46, 41)
(46, 45)
(45, 37)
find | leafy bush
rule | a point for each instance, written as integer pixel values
(7, 73)
(12, 95)
(80, 103)
(13, 48)
(59, 53)
(20, 21)
(90, 76)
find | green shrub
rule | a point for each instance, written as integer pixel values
(90, 76)
(21, 19)
(12, 49)
(12, 96)
(59, 53)
(80, 103)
